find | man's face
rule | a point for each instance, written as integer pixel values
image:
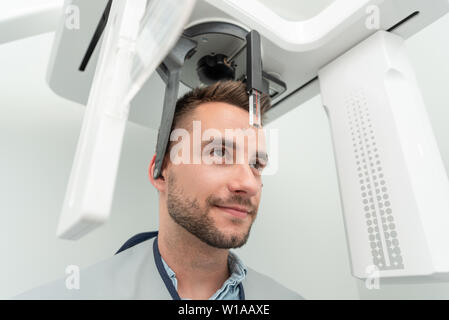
(225, 174)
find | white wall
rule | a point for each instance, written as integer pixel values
(298, 237)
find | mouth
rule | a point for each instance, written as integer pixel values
(235, 211)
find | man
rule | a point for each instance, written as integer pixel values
(209, 193)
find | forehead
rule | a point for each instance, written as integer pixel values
(231, 121)
(221, 115)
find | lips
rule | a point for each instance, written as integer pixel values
(236, 211)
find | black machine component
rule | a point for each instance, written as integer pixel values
(220, 52)
(254, 78)
(212, 68)
(170, 71)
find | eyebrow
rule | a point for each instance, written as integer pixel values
(262, 155)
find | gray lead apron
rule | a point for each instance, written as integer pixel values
(137, 272)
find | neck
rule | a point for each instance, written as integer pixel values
(200, 269)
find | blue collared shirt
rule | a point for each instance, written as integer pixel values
(230, 289)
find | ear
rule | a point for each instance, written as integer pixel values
(158, 183)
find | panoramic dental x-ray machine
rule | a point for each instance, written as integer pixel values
(393, 185)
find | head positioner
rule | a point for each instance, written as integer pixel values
(197, 59)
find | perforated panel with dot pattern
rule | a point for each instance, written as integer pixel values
(375, 199)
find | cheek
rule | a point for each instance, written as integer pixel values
(204, 175)
(200, 180)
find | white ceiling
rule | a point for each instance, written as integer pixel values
(296, 10)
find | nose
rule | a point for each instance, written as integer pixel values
(244, 181)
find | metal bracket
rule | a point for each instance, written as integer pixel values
(170, 71)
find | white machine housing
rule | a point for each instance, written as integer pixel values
(393, 184)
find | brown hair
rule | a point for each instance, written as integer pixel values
(232, 92)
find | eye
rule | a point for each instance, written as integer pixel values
(218, 151)
(258, 165)
(255, 165)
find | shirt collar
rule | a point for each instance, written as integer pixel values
(236, 267)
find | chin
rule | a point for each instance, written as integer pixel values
(231, 226)
(231, 229)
